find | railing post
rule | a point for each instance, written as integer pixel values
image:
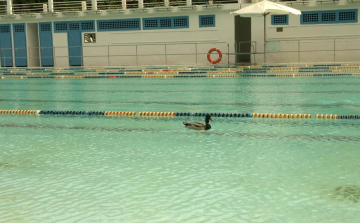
(141, 4)
(45, 7)
(9, 7)
(298, 51)
(136, 51)
(166, 3)
(109, 56)
(188, 2)
(196, 54)
(93, 4)
(54, 56)
(51, 5)
(334, 49)
(83, 6)
(165, 55)
(228, 50)
(123, 4)
(39, 49)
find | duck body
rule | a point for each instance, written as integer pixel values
(198, 125)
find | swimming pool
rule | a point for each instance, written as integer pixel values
(56, 168)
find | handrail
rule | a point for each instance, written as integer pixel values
(61, 6)
(109, 54)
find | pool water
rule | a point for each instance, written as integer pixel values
(56, 168)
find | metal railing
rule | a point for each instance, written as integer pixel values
(109, 54)
(318, 50)
(245, 49)
(287, 51)
(68, 6)
(302, 51)
(61, 6)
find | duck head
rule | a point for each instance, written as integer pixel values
(208, 118)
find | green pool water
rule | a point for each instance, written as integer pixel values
(148, 169)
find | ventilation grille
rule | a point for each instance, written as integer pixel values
(19, 28)
(45, 27)
(309, 18)
(74, 26)
(166, 23)
(207, 21)
(133, 24)
(60, 27)
(279, 19)
(331, 16)
(88, 26)
(5, 29)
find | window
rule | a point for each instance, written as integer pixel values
(61, 26)
(279, 20)
(310, 17)
(88, 26)
(151, 23)
(19, 28)
(45, 27)
(166, 23)
(4, 28)
(328, 17)
(74, 26)
(331, 16)
(181, 22)
(207, 21)
(119, 25)
(348, 16)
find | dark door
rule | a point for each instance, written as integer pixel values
(75, 44)
(6, 46)
(46, 45)
(20, 45)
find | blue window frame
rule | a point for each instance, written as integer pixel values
(279, 19)
(178, 22)
(87, 25)
(45, 27)
(206, 21)
(118, 25)
(63, 27)
(60, 27)
(329, 17)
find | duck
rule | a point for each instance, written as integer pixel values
(198, 125)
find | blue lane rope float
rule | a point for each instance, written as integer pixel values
(177, 114)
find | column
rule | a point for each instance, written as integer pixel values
(9, 7)
(141, 4)
(93, 4)
(51, 5)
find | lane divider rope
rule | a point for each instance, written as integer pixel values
(173, 114)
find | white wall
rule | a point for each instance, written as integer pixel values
(323, 40)
(187, 46)
(32, 38)
(61, 53)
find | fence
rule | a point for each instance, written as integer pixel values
(282, 51)
(120, 55)
(302, 51)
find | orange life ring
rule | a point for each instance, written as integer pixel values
(218, 59)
